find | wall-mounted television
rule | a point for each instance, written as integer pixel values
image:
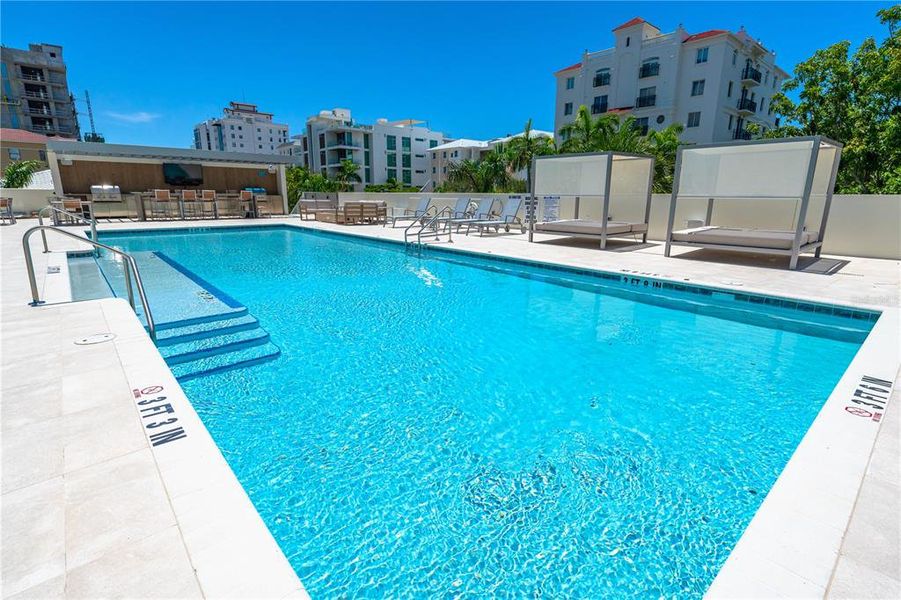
(182, 174)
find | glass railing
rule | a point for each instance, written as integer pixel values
(746, 104)
(643, 101)
(597, 109)
(749, 73)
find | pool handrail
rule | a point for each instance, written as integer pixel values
(129, 266)
(71, 215)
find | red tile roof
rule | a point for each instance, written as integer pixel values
(569, 68)
(21, 136)
(705, 34)
(630, 23)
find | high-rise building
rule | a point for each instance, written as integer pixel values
(242, 128)
(714, 83)
(35, 92)
(385, 150)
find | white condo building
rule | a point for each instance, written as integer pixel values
(385, 150)
(714, 83)
(465, 149)
(242, 128)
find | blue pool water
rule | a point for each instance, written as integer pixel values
(437, 426)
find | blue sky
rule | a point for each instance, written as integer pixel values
(474, 70)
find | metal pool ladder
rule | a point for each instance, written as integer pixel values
(429, 227)
(129, 268)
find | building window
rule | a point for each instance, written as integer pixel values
(405, 160)
(239, 128)
(701, 56)
(405, 144)
(650, 67)
(391, 142)
(322, 158)
(601, 77)
(568, 108)
(641, 125)
(392, 160)
(729, 90)
(766, 78)
(628, 39)
(433, 143)
(392, 174)
(599, 105)
(42, 155)
(14, 153)
(434, 170)
(368, 175)
(322, 140)
(408, 178)
(775, 83)
(730, 122)
(697, 87)
(694, 119)
(762, 104)
(420, 139)
(646, 97)
(734, 57)
(570, 83)
(232, 127)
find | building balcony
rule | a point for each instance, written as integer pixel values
(645, 101)
(741, 134)
(750, 76)
(33, 77)
(597, 109)
(746, 106)
(37, 95)
(649, 70)
(600, 80)
(41, 112)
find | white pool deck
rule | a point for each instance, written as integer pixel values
(91, 509)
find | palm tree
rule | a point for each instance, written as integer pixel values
(347, 175)
(522, 149)
(586, 133)
(18, 174)
(664, 144)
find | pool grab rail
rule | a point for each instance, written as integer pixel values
(445, 214)
(71, 215)
(129, 267)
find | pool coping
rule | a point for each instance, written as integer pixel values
(791, 546)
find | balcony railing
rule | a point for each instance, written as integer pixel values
(749, 73)
(597, 109)
(602, 79)
(33, 77)
(747, 105)
(649, 70)
(38, 95)
(741, 134)
(39, 111)
(644, 101)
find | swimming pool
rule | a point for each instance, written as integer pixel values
(449, 425)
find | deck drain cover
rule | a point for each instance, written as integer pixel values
(97, 338)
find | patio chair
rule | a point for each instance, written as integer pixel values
(208, 203)
(422, 210)
(374, 212)
(482, 212)
(161, 204)
(192, 206)
(505, 219)
(229, 204)
(6, 211)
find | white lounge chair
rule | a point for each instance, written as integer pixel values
(422, 210)
(505, 219)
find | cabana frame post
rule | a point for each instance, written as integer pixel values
(797, 244)
(605, 195)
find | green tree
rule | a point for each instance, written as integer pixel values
(522, 149)
(392, 185)
(610, 133)
(347, 175)
(854, 99)
(18, 174)
(301, 179)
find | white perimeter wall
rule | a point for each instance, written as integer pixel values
(859, 225)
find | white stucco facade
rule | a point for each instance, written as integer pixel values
(242, 128)
(714, 83)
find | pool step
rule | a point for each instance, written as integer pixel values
(179, 334)
(217, 344)
(208, 365)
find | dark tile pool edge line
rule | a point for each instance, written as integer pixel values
(855, 312)
(221, 295)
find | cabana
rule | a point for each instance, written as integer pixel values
(616, 185)
(794, 176)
